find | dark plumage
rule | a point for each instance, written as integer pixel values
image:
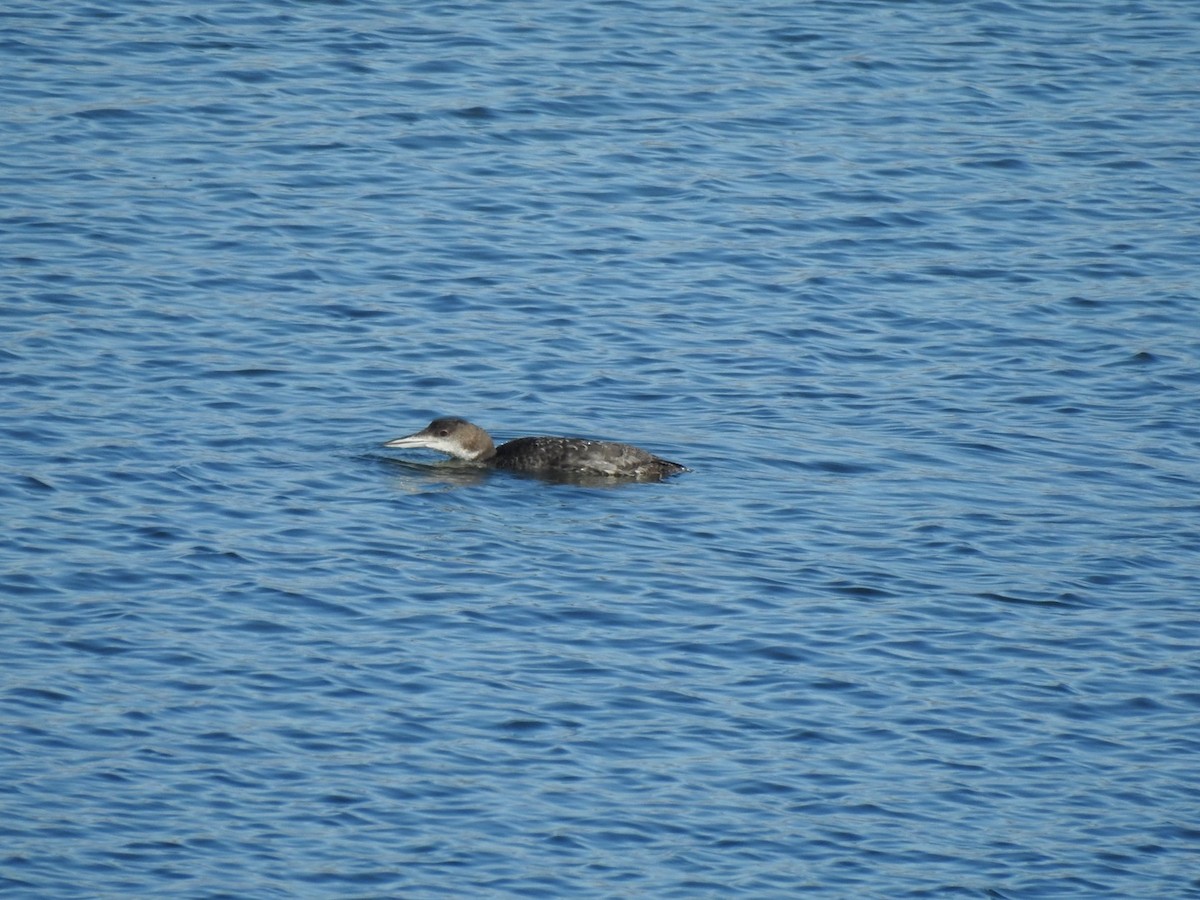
(555, 457)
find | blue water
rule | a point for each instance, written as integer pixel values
(911, 287)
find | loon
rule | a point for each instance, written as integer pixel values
(552, 457)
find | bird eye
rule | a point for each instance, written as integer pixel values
(442, 432)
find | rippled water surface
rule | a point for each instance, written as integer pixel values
(911, 287)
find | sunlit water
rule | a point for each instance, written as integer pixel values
(911, 287)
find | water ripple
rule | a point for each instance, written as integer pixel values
(910, 289)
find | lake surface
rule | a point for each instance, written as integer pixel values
(911, 287)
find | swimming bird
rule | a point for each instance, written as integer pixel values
(552, 457)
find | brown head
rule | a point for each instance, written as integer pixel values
(453, 436)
